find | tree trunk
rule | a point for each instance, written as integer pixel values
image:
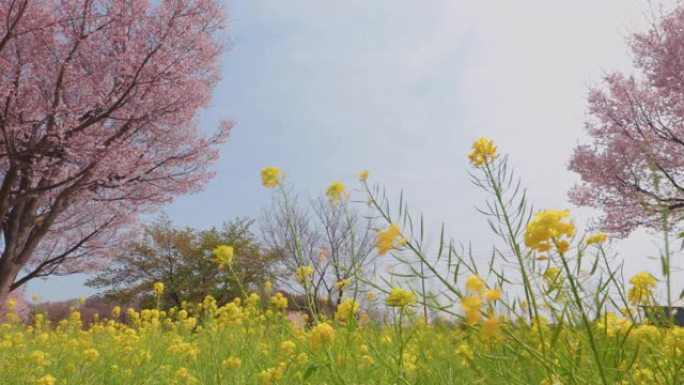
(8, 273)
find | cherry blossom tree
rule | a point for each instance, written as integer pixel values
(97, 106)
(634, 168)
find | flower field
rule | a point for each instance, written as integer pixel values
(245, 344)
(564, 315)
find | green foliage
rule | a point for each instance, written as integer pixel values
(182, 260)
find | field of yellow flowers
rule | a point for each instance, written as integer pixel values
(565, 316)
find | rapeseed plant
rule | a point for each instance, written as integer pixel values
(564, 315)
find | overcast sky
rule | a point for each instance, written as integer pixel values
(324, 89)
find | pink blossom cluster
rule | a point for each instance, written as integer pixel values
(633, 170)
(98, 100)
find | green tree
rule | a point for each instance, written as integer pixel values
(181, 258)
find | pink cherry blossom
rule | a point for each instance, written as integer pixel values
(98, 100)
(633, 171)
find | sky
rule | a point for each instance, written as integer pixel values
(325, 89)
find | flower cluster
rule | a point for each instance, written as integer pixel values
(223, 255)
(641, 292)
(548, 228)
(343, 283)
(399, 297)
(279, 300)
(303, 273)
(483, 151)
(597, 238)
(158, 288)
(389, 238)
(472, 304)
(335, 193)
(270, 176)
(322, 335)
(346, 310)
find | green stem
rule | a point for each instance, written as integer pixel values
(585, 319)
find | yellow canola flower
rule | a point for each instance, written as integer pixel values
(287, 348)
(322, 335)
(492, 295)
(399, 297)
(46, 380)
(346, 309)
(389, 238)
(641, 292)
(483, 151)
(270, 176)
(279, 300)
(475, 284)
(464, 350)
(597, 238)
(343, 283)
(335, 192)
(546, 230)
(472, 305)
(158, 288)
(303, 273)
(184, 377)
(223, 255)
(232, 363)
(91, 354)
(490, 326)
(363, 175)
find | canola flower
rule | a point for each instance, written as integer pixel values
(223, 255)
(363, 175)
(641, 292)
(548, 228)
(46, 380)
(303, 273)
(399, 297)
(158, 288)
(335, 192)
(250, 339)
(322, 335)
(490, 326)
(389, 239)
(492, 295)
(596, 238)
(279, 300)
(239, 339)
(232, 362)
(472, 306)
(270, 176)
(483, 151)
(346, 310)
(343, 283)
(287, 348)
(475, 284)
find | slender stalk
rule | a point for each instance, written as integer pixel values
(585, 319)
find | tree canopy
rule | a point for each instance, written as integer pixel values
(97, 107)
(182, 259)
(633, 170)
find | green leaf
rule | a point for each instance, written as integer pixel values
(310, 370)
